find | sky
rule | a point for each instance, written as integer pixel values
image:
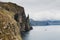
(40, 9)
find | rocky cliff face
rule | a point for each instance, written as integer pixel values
(12, 21)
(19, 14)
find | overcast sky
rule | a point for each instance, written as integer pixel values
(40, 9)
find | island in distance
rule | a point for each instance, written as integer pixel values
(44, 22)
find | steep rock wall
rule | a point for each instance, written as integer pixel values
(19, 14)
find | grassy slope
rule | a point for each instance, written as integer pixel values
(8, 26)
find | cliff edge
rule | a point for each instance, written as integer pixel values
(19, 14)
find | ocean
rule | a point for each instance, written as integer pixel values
(51, 32)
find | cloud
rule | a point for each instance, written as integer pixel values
(40, 9)
(46, 15)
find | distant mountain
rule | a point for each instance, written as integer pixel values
(44, 22)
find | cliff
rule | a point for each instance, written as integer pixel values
(19, 14)
(9, 29)
(13, 21)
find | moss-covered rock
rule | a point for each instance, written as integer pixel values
(9, 29)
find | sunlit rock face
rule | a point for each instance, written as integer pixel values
(9, 29)
(19, 14)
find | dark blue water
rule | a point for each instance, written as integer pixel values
(43, 33)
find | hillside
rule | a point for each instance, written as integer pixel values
(9, 29)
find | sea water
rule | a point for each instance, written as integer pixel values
(43, 33)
